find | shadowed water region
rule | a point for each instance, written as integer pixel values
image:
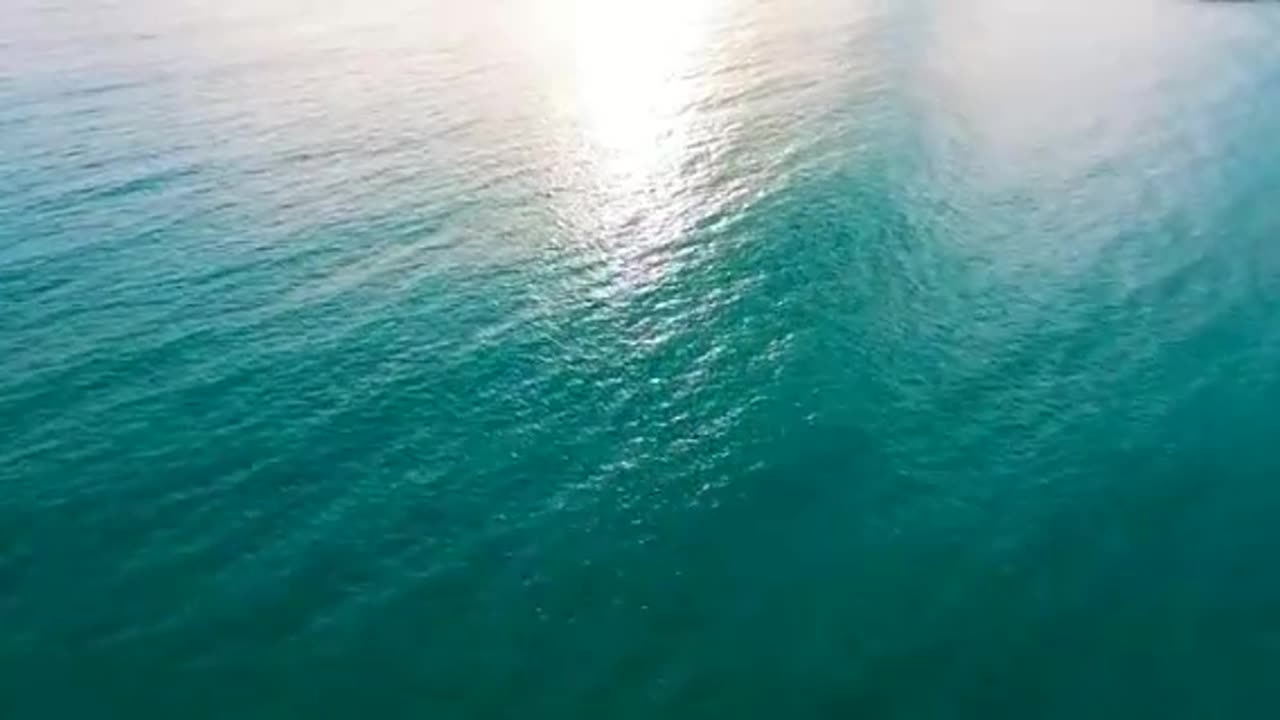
(679, 358)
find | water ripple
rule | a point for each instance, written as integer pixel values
(710, 357)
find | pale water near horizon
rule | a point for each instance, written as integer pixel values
(665, 359)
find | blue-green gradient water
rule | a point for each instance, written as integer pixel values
(664, 359)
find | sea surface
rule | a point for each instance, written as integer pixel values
(639, 359)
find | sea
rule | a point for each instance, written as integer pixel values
(639, 359)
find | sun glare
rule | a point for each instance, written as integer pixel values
(637, 69)
(631, 80)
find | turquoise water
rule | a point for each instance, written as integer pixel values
(675, 359)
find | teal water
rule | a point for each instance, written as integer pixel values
(675, 359)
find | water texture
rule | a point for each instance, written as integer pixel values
(664, 359)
